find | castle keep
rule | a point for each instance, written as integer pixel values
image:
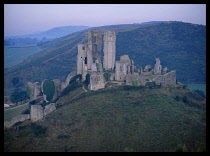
(97, 58)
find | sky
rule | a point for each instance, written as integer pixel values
(22, 19)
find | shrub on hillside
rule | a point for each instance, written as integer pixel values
(107, 76)
(200, 92)
(38, 130)
(74, 79)
(49, 89)
(150, 85)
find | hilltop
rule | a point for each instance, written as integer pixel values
(42, 36)
(180, 46)
(123, 118)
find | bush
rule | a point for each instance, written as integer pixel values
(18, 95)
(49, 89)
(200, 92)
(38, 130)
(74, 79)
(107, 76)
(135, 82)
(150, 84)
(87, 81)
(29, 90)
(70, 88)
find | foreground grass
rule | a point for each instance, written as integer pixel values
(118, 120)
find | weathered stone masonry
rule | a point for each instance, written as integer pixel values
(89, 61)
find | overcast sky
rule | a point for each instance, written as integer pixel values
(21, 19)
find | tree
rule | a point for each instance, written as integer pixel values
(18, 95)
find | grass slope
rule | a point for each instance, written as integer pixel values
(119, 119)
(16, 54)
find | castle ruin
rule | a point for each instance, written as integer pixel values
(97, 57)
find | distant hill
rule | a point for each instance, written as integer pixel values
(121, 119)
(180, 46)
(45, 35)
(151, 22)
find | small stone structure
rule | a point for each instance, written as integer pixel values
(37, 112)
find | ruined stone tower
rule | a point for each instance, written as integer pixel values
(94, 51)
(158, 67)
(90, 54)
(109, 50)
(81, 58)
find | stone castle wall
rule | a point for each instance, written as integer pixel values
(168, 79)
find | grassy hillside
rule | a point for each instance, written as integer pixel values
(180, 46)
(117, 119)
(16, 54)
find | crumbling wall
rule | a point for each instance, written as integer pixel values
(36, 90)
(168, 79)
(49, 108)
(97, 81)
(58, 88)
(94, 47)
(135, 80)
(123, 67)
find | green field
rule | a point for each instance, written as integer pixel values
(201, 87)
(16, 54)
(9, 114)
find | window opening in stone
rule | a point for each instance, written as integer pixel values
(85, 60)
(94, 39)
